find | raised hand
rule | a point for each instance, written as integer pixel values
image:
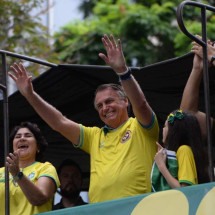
(160, 156)
(21, 78)
(197, 49)
(114, 57)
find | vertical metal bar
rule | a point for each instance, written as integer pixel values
(3, 87)
(203, 43)
(6, 134)
(206, 94)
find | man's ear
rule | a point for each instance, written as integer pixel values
(126, 101)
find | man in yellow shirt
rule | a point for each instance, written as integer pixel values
(122, 151)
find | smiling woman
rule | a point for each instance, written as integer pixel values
(32, 183)
(28, 135)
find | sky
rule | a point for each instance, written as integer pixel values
(63, 12)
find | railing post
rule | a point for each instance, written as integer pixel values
(203, 43)
(3, 87)
(6, 131)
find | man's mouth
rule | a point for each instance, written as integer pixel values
(108, 114)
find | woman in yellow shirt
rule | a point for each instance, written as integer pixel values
(32, 183)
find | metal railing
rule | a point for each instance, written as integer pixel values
(3, 87)
(203, 43)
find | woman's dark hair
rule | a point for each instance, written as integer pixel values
(186, 131)
(40, 140)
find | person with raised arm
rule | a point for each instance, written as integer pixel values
(121, 152)
(190, 98)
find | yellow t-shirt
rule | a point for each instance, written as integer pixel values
(121, 160)
(19, 205)
(186, 165)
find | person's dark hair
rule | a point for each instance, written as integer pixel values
(77, 177)
(185, 130)
(68, 162)
(40, 139)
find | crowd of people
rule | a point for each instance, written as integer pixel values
(122, 152)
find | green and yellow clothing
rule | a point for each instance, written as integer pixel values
(121, 159)
(19, 204)
(158, 181)
(187, 172)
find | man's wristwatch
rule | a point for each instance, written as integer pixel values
(212, 60)
(18, 176)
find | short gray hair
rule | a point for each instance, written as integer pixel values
(116, 87)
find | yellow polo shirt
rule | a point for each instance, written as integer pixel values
(186, 165)
(121, 159)
(19, 205)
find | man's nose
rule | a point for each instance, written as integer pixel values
(105, 107)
